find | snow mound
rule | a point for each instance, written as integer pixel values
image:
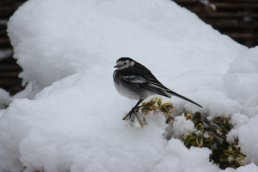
(73, 119)
(99, 32)
(182, 126)
(240, 82)
(178, 158)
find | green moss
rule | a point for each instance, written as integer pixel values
(211, 134)
(154, 105)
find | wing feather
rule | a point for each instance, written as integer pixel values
(136, 79)
(141, 77)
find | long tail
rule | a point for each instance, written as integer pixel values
(182, 97)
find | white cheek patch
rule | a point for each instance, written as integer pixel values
(119, 63)
(125, 64)
(132, 63)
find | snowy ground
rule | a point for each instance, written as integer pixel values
(70, 116)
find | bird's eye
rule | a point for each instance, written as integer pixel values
(124, 63)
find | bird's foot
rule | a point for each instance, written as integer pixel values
(133, 115)
(130, 115)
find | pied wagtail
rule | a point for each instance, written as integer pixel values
(135, 81)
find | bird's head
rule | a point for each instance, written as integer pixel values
(124, 62)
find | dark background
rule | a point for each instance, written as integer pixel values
(235, 18)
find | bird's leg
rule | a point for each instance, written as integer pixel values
(132, 111)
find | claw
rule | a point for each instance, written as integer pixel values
(133, 115)
(129, 115)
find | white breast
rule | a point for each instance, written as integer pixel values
(126, 92)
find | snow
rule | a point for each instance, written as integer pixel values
(241, 83)
(178, 158)
(5, 98)
(248, 139)
(182, 126)
(69, 118)
(250, 168)
(121, 28)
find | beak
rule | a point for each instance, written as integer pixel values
(116, 66)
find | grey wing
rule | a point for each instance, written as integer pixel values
(146, 84)
(134, 79)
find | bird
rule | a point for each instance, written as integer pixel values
(135, 81)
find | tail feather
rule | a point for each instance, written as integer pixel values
(182, 97)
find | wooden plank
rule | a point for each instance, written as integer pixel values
(8, 68)
(6, 11)
(10, 74)
(5, 42)
(234, 1)
(243, 36)
(213, 1)
(10, 82)
(237, 5)
(231, 23)
(225, 15)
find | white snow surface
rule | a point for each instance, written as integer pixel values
(182, 126)
(5, 98)
(70, 116)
